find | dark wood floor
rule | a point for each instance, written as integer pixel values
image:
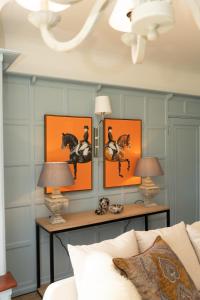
(32, 296)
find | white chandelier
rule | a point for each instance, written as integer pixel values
(140, 21)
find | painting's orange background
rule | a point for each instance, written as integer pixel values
(55, 126)
(111, 173)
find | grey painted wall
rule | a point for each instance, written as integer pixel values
(25, 103)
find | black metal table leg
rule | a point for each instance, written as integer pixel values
(146, 222)
(168, 218)
(38, 255)
(51, 253)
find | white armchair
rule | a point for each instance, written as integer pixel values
(61, 290)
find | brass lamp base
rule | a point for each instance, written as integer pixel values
(149, 190)
(56, 205)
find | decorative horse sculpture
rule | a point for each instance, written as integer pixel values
(122, 143)
(75, 157)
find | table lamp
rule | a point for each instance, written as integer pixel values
(148, 167)
(55, 175)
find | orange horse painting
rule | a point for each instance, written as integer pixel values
(115, 150)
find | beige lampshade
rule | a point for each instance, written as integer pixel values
(118, 19)
(148, 166)
(102, 105)
(55, 174)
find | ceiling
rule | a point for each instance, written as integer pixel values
(179, 48)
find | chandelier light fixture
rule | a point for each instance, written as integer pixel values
(140, 21)
(38, 5)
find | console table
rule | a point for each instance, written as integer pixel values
(75, 221)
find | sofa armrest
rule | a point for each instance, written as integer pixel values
(61, 290)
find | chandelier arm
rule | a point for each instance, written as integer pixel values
(138, 50)
(3, 3)
(50, 40)
(194, 7)
(66, 1)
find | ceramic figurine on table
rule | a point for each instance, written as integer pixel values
(103, 206)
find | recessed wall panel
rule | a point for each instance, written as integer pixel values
(176, 106)
(156, 142)
(18, 225)
(193, 108)
(18, 185)
(89, 203)
(80, 102)
(21, 262)
(48, 99)
(108, 231)
(155, 111)
(16, 144)
(115, 100)
(82, 237)
(16, 100)
(134, 106)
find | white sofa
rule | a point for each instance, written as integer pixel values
(61, 290)
(184, 241)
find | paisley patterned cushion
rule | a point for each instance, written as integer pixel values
(158, 274)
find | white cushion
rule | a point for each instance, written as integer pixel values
(102, 281)
(194, 234)
(177, 238)
(124, 245)
(61, 290)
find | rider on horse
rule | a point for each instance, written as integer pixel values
(111, 143)
(82, 147)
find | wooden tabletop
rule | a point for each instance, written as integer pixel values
(7, 282)
(87, 218)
